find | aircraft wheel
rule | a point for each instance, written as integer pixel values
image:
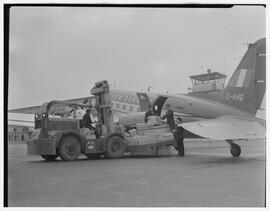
(235, 150)
(49, 157)
(93, 155)
(115, 147)
(70, 148)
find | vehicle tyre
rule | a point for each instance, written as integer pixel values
(70, 148)
(115, 147)
(235, 150)
(93, 155)
(49, 157)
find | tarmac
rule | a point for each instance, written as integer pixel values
(208, 176)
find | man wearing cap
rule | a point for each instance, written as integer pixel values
(179, 137)
(170, 117)
(87, 122)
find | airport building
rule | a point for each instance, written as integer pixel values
(19, 133)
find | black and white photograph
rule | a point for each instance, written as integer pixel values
(135, 105)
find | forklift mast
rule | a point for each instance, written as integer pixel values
(101, 91)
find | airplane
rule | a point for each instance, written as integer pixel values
(229, 115)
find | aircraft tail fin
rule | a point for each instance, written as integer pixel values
(246, 88)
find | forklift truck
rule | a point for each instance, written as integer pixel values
(67, 138)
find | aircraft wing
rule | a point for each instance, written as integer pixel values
(27, 110)
(36, 109)
(227, 127)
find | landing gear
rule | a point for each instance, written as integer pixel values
(235, 148)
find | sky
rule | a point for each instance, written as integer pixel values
(58, 53)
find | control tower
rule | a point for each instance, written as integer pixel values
(207, 83)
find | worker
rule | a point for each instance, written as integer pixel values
(119, 129)
(87, 122)
(150, 112)
(179, 137)
(170, 117)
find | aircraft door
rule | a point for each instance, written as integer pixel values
(159, 103)
(144, 101)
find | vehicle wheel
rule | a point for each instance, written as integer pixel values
(93, 155)
(235, 150)
(49, 157)
(69, 148)
(115, 147)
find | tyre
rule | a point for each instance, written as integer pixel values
(49, 157)
(115, 147)
(93, 155)
(70, 148)
(235, 150)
